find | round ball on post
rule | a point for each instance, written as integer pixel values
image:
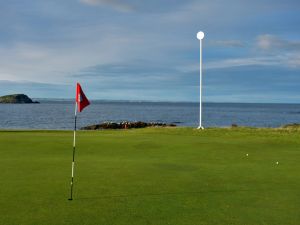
(200, 35)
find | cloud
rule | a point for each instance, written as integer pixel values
(289, 61)
(150, 48)
(8, 77)
(137, 6)
(274, 51)
(136, 68)
(293, 60)
(272, 42)
(137, 75)
(53, 62)
(284, 52)
(117, 5)
(36, 89)
(238, 62)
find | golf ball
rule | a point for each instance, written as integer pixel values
(247, 154)
(277, 163)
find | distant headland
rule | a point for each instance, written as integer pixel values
(16, 98)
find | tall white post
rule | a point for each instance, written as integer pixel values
(200, 36)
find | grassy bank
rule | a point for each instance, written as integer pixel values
(151, 176)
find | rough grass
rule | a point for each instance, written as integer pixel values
(151, 176)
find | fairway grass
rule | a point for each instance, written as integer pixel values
(156, 176)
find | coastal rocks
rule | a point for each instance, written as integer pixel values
(16, 98)
(126, 125)
(291, 126)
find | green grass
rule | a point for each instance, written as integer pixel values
(151, 176)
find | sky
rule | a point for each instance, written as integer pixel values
(148, 50)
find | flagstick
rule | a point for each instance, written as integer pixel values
(200, 36)
(73, 162)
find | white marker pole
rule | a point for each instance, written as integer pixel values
(200, 36)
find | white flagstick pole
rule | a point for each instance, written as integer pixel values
(200, 36)
(73, 161)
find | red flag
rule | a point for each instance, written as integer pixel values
(81, 99)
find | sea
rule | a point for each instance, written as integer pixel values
(59, 114)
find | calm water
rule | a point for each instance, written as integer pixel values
(60, 114)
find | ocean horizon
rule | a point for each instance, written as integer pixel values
(161, 101)
(58, 114)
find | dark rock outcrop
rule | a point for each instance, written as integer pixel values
(291, 126)
(125, 125)
(17, 98)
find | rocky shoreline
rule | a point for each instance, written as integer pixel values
(126, 125)
(140, 124)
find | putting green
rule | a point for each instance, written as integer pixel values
(153, 176)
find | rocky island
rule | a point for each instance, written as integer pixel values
(126, 125)
(16, 98)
